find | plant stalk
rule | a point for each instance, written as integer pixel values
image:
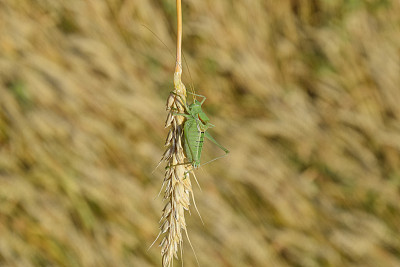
(178, 67)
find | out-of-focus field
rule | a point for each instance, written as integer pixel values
(305, 94)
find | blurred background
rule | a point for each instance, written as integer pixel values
(305, 95)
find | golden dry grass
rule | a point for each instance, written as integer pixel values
(305, 95)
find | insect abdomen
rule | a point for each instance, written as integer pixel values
(194, 142)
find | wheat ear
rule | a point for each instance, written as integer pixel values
(176, 181)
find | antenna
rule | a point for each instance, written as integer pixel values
(191, 85)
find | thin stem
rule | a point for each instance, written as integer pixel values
(178, 67)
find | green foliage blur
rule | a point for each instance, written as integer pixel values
(305, 95)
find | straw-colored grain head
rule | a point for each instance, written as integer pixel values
(176, 181)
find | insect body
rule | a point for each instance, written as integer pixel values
(194, 130)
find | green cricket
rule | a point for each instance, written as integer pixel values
(195, 128)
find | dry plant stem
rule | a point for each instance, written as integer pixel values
(176, 181)
(178, 67)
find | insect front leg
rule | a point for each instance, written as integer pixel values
(181, 101)
(202, 101)
(182, 114)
